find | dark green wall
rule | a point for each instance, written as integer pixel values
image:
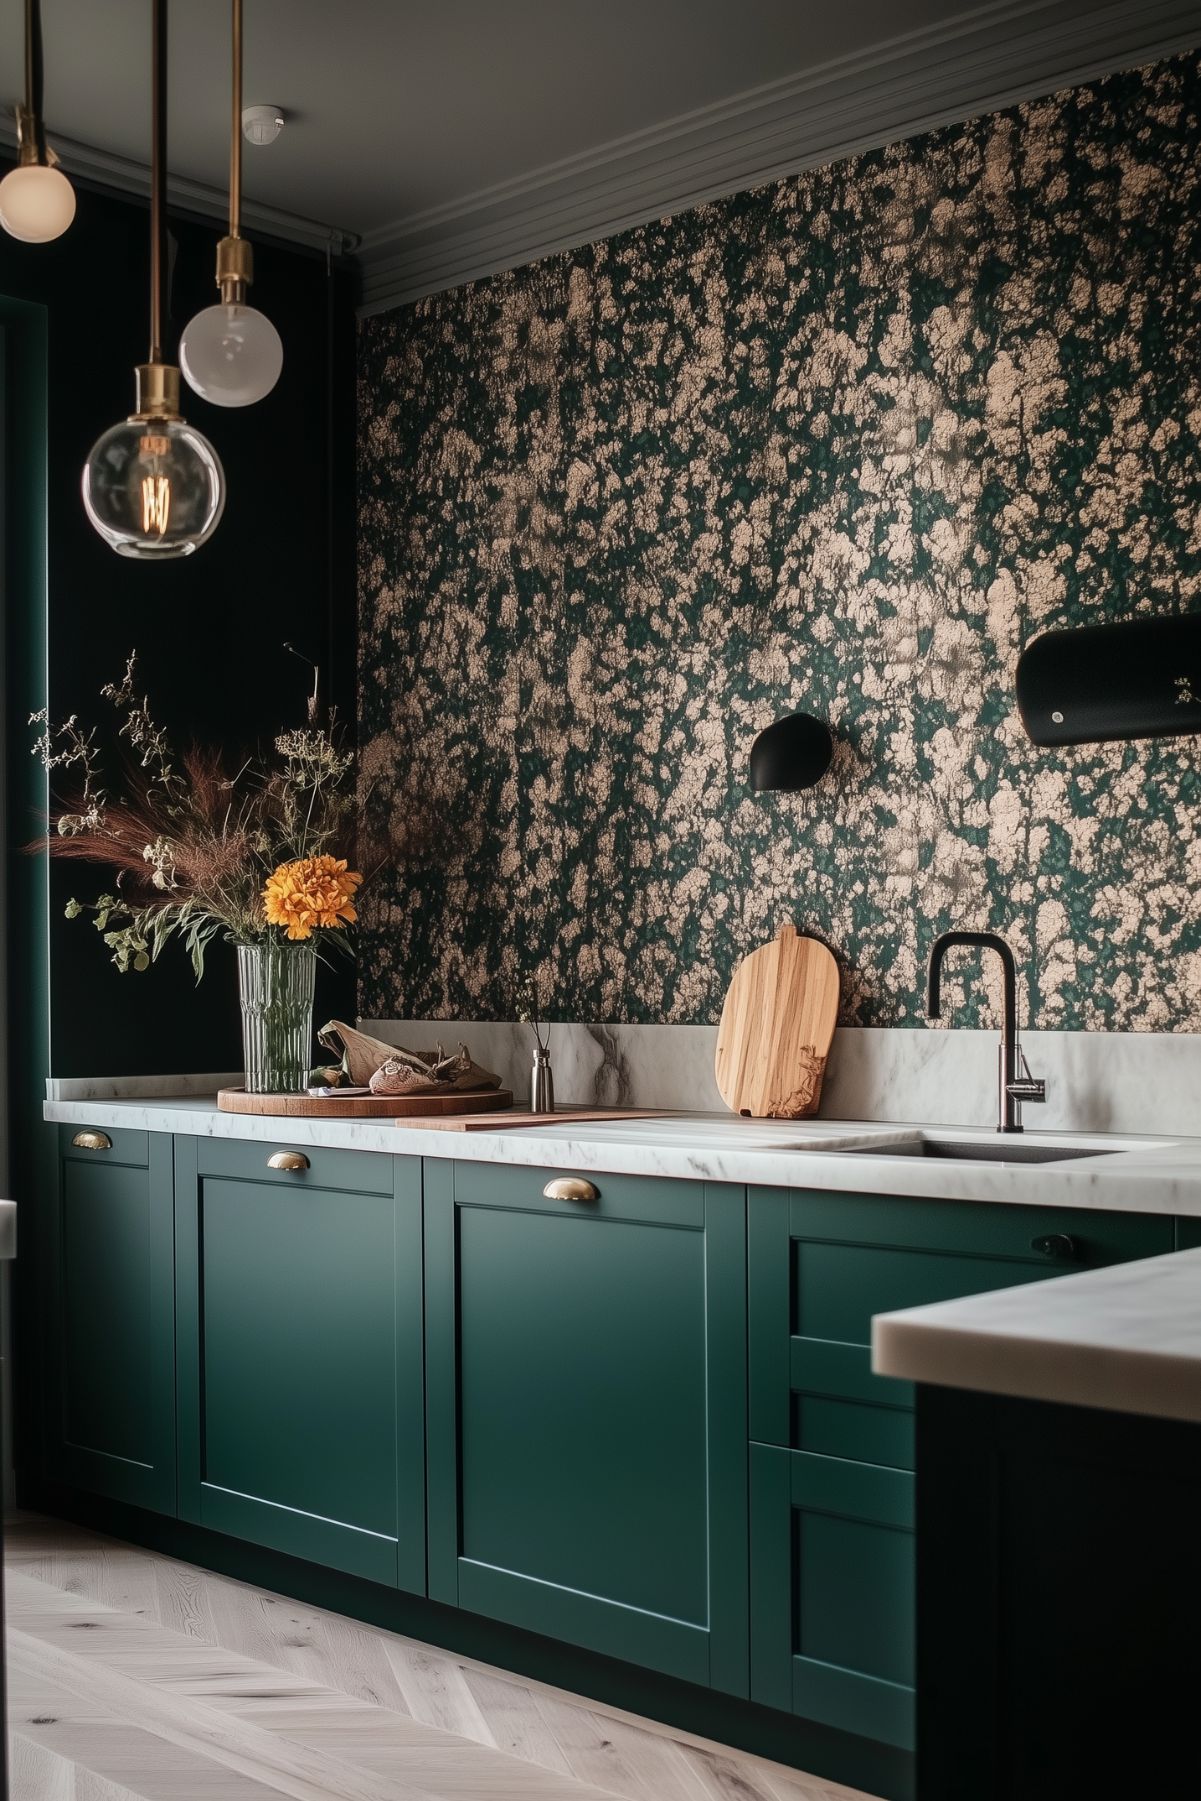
(208, 629)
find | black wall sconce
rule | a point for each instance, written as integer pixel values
(1139, 678)
(792, 754)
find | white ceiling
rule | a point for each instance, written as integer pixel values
(405, 118)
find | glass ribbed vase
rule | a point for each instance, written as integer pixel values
(275, 980)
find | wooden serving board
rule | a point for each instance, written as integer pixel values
(566, 1116)
(776, 1028)
(365, 1106)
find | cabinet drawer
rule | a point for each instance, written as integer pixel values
(643, 1200)
(354, 1172)
(821, 1266)
(132, 1149)
(832, 1592)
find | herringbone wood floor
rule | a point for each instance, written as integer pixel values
(134, 1676)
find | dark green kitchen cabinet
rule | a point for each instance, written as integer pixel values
(110, 1316)
(586, 1406)
(832, 1548)
(300, 1353)
(832, 1591)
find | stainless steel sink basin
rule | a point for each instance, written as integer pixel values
(1000, 1150)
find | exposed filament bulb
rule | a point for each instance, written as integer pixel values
(156, 489)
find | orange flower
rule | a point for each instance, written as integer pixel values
(316, 891)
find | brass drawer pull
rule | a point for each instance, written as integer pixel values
(91, 1141)
(288, 1160)
(571, 1188)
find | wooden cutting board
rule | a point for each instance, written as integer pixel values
(776, 1028)
(365, 1106)
(505, 1122)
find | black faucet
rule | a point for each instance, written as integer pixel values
(1012, 1088)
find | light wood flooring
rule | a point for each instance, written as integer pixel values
(133, 1677)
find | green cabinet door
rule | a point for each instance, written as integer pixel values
(586, 1400)
(300, 1354)
(832, 1591)
(110, 1351)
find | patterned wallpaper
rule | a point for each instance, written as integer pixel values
(844, 443)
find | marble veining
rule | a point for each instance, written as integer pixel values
(1096, 1081)
(1126, 1338)
(1128, 1175)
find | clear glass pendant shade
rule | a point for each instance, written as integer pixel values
(37, 203)
(153, 488)
(231, 354)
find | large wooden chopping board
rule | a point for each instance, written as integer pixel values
(508, 1122)
(776, 1028)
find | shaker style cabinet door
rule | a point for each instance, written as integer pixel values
(110, 1316)
(300, 1353)
(586, 1407)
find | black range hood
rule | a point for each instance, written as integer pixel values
(1140, 678)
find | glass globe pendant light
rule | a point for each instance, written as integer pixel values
(153, 486)
(37, 202)
(231, 353)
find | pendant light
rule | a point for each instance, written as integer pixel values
(37, 202)
(153, 485)
(231, 353)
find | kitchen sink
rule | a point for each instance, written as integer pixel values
(966, 1150)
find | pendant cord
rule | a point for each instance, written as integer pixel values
(34, 78)
(158, 160)
(235, 137)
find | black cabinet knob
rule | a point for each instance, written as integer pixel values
(1059, 1245)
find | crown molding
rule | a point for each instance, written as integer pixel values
(102, 169)
(988, 57)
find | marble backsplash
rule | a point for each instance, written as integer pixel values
(1096, 1081)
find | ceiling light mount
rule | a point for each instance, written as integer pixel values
(231, 353)
(262, 124)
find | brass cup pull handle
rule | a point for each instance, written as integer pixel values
(91, 1141)
(571, 1188)
(288, 1160)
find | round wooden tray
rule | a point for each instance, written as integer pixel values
(364, 1106)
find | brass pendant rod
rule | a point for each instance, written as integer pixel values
(235, 137)
(34, 67)
(158, 161)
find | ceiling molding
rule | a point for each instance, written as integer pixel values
(988, 57)
(102, 169)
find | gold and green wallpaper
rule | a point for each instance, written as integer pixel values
(844, 443)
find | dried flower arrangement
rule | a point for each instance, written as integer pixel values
(201, 849)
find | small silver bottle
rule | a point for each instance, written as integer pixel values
(542, 1083)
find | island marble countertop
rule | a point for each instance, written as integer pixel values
(1126, 1338)
(1127, 1174)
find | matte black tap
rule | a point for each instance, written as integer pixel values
(1013, 1087)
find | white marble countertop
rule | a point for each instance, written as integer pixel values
(1126, 1338)
(8, 1230)
(1149, 1175)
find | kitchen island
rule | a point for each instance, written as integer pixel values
(1058, 1490)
